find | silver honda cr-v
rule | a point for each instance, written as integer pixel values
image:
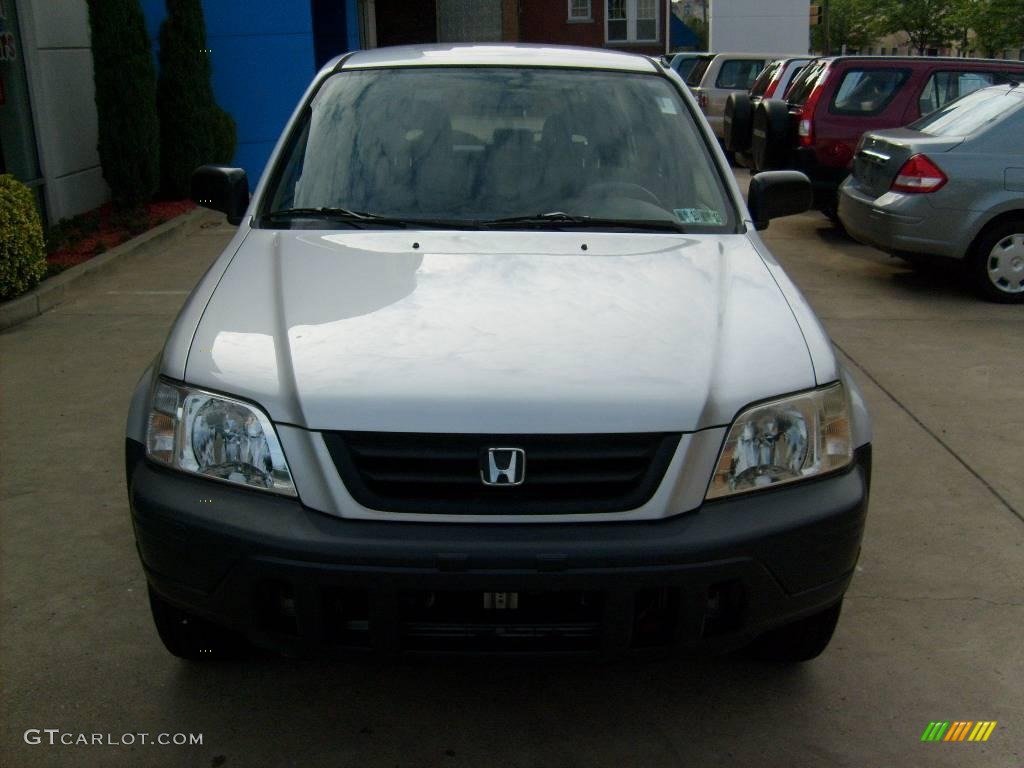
(497, 361)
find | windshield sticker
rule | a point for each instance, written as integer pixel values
(667, 106)
(698, 216)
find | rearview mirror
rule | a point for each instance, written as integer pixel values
(777, 193)
(221, 188)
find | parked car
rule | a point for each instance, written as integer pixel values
(773, 82)
(716, 75)
(835, 100)
(497, 361)
(683, 63)
(949, 185)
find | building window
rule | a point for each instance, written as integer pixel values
(632, 21)
(617, 22)
(579, 10)
(646, 20)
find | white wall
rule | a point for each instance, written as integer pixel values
(58, 59)
(759, 26)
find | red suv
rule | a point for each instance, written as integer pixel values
(835, 100)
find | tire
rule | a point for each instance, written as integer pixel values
(769, 135)
(189, 637)
(738, 122)
(996, 262)
(832, 214)
(802, 640)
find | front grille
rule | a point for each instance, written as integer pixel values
(440, 473)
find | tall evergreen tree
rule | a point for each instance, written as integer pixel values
(125, 80)
(193, 129)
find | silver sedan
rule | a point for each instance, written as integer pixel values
(949, 185)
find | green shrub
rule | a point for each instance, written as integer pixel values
(125, 78)
(193, 129)
(22, 255)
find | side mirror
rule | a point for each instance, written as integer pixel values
(777, 193)
(221, 188)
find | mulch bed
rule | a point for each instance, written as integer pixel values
(75, 240)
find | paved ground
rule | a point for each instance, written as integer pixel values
(931, 629)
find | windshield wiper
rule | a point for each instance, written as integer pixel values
(359, 218)
(335, 214)
(560, 218)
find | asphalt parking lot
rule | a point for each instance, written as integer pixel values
(931, 629)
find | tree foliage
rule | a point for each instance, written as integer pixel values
(193, 129)
(926, 23)
(125, 82)
(998, 25)
(853, 23)
(700, 29)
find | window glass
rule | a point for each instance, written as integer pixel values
(738, 74)
(761, 83)
(792, 79)
(867, 91)
(617, 24)
(646, 20)
(944, 87)
(697, 73)
(579, 9)
(967, 115)
(804, 84)
(473, 144)
(684, 66)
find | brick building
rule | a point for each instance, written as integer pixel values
(632, 25)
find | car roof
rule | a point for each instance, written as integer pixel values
(1009, 89)
(923, 60)
(766, 56)
(495, 55)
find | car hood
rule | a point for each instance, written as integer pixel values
(498, 332)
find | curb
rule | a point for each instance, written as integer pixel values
(58, 288)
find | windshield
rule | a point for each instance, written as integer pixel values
(684, 65)
(474, 145)
(969, 113)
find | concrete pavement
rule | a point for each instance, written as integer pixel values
(931, 628)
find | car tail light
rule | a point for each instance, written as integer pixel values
(702, 100)
(805, 128)
(919, 174)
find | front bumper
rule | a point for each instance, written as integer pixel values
(298, 581)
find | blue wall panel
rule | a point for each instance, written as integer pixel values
(259, 80)
(263, 59)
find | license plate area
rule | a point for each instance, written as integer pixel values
(501, 621)
(501, 601)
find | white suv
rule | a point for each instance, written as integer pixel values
(497, 361)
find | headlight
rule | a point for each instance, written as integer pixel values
(785, 440)
(217, 437)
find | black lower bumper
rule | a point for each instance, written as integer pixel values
(825, 180)
(296, 580)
